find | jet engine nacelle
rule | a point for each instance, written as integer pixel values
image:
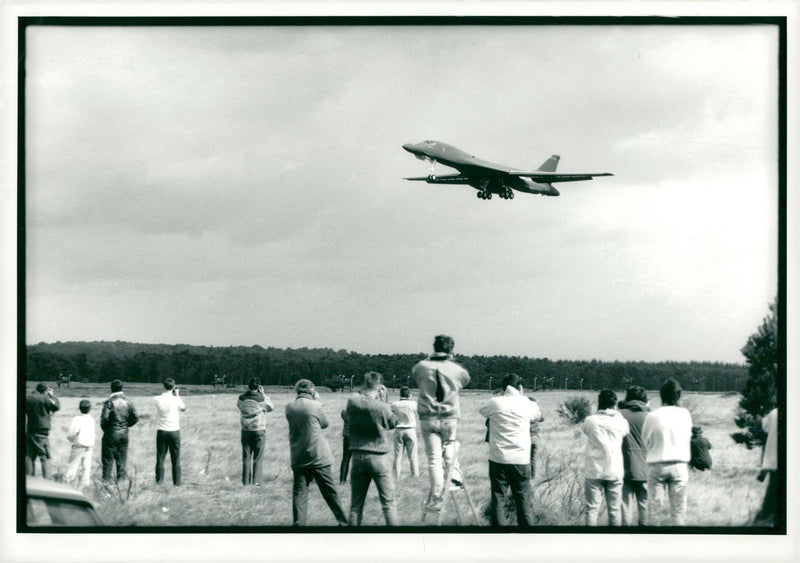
(529, 186)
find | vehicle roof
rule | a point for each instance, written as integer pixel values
(39, 487)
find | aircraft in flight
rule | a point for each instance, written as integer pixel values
(490, 178)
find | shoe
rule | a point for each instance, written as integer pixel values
(435, 505)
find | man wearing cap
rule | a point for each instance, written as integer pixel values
(405, 433)
(169, 407)
(667, 434)
(439, 380)
(310, 454)
(38, 407)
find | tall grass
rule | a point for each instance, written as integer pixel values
(212, 493)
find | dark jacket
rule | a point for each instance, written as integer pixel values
(306, 421)
(634, 452)
(701, 458)
(118, 415)
(370, 422)
(38, 407)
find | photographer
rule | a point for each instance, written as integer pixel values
(168, 431)
(310, 454)
(38, 407)
(253, 406)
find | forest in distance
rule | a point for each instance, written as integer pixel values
(99, 362)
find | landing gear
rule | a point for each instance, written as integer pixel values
(484, 195)
(508, 193)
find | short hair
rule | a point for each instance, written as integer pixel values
(443, 344)
(607, 399)
(304, 386)
(253, 383)
(85, 406)
(636, 393)
(405, 392)
(373, 380)
(670, 392)
(116, 386)
(169, 384)
(41, 388)
(512, 380)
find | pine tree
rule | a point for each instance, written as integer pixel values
(758, 395)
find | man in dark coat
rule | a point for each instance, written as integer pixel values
(310, 453)
(38, 407)
(634, 455)
(118, 415)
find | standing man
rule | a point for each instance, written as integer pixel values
(510, 416)
(535, 431)
(253, 405)
(634, 456)
(118, 415)
(38, 407)
(667, 433)
(344, 467)
(405, 433)
(439, 380)
(169, 406)
(768, 514)
(370, 422)
(311, 456)
(604, 466)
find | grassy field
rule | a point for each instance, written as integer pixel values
(212, 494)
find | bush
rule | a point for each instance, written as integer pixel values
(574, 410)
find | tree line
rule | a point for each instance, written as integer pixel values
(97, 362)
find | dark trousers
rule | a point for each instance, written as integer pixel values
(114, 452)
(252, 449)
(168, 440)
(37, 446)
(768, 514)
(534, 447)
(505, 476)
(368, 467)
(303, 476)
(345, 467)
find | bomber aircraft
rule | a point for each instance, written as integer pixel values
(489, 178)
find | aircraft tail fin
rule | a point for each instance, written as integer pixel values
(550, 164)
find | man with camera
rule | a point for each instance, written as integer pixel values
(169, 405)
(253, 406)
(38, 407)
(439, 379)
(311, 455)
(118, 415)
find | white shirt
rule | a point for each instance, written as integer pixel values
(770, 425)
(605, 431)
(82, 430)
(168, 407)
(405, 411)
(510, 416)
(667, 434)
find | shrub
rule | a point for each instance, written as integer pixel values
(574, 410)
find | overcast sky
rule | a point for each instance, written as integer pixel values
(244, 185)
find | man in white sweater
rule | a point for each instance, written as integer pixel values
(510, 416)
(604, 463)
(667, 434)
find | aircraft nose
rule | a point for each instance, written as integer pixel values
(410, 147)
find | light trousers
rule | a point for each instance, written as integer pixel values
(670, 477)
